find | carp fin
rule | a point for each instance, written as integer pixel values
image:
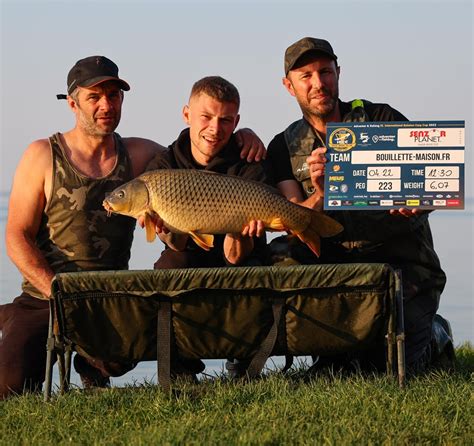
(277, 224)
(204, 241)
(150, 228)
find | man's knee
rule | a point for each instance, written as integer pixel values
(170, 259)
(23, 345)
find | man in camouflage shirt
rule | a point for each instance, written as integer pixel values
(56, 222)
(401, 237)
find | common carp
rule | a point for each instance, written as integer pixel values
(201, 203)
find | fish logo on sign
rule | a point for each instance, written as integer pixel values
(342, 139)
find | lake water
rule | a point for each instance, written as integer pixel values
(452, 231)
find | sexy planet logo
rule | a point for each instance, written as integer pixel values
(342, 139)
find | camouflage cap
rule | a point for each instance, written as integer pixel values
(92, 71)
(303, 46)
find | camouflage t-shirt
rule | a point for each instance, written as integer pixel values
(75, 233)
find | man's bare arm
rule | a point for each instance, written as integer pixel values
(27, 203)
(291, 189)
(141, 151)
(237, 247)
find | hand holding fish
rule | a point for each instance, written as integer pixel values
(254, 228)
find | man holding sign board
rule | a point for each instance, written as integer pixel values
(400, 237)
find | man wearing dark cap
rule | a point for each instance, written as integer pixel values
(56, 222)
(401, 237)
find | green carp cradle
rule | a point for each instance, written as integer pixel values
(201, 203)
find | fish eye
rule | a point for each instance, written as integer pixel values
(121, 194)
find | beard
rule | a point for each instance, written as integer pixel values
(323, 109)
(92, 128)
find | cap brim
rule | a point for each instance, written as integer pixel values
(308, 51)
(98, 80)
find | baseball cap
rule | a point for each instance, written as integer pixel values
(92, 71)
(306, 45)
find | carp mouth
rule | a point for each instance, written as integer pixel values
(107, 207)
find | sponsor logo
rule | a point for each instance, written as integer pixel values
(373, 202)
(336, 168)
(303, 168)
(386, 202)
(360, 203)
(453, 202)
(336, 178)
(347, 203)
(333, 188)
(426, 202)
(335, 203)
(439, 196)
(439, 202)
(383, 138)
(364, 137)
(344, 188)
(427, 136)
(399, 202)
(413, 202)
(342, 139)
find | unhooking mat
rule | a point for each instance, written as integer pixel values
(226, 312)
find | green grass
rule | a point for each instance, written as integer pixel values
(331, 409)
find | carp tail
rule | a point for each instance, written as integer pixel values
(325, 226)
(319, 226)
(311, 238)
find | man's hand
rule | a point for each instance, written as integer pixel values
(254, 228)
(252, 146)
(238, 246)
(317, 164)
(407, 212)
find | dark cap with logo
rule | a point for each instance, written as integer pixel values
(305, 45)
(92, 71)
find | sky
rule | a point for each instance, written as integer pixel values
(414, 55)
